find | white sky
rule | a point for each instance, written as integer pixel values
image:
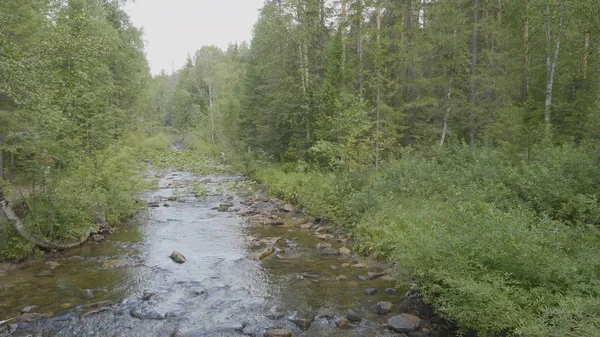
(174, 28)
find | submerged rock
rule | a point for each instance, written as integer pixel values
(322, 246)
(404, 323)
(178, 257)
(392, 291)
(28, 308)
(370, 291)
(373, 276)
(278, 333)
(270, 240)
(87, 294)
(147, 296)
(330, 252)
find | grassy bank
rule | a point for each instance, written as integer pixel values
(497, 245)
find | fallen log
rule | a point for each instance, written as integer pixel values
(18, 225)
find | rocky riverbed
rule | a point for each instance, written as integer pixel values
(212, 257)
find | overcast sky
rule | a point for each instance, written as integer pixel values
(174, 28)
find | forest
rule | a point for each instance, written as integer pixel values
(456, 139)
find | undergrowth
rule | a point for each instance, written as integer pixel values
(495, 244)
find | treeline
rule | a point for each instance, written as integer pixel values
(74, 82)
(353, 82)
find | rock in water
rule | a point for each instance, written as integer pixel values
(330, 252)
(97, 237)
(373, 276)
(178, 257)
(345, 251)
(353, 316)
(262, 254)
(87, 294)
(404, 323)
(278, 333)
(322, 246)
(382, 308)
(370, 291)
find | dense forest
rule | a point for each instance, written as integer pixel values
(457, 139)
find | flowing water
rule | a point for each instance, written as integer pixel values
(219, 291)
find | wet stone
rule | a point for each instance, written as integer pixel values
(97, 238)
(52, 264)
(310, 275)
(308, 225)
(373, 276)
(28, 308)
(370, 291)
(392, 291)
(322, 246)
(353, 316)
(45, 273)
(278, 333)
(302, 323)
(404, 323)
(382, 308)
(340, 322)
(345, 251)
(330, 252)
(362, 277)
(147, 296)
(275, 315)
(87, 294)
(29, 317)
(178, 257)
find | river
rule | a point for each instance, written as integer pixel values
(303, 284)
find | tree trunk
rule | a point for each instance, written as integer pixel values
(586, 54)
(210, 106)
(525, 85)
(377, 121)
(359, 49)
(1, 162)
(446, 115)
(343, 35)
(307, 88)
(472, 114)
(551, 61)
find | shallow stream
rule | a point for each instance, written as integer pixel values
(222, 290)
